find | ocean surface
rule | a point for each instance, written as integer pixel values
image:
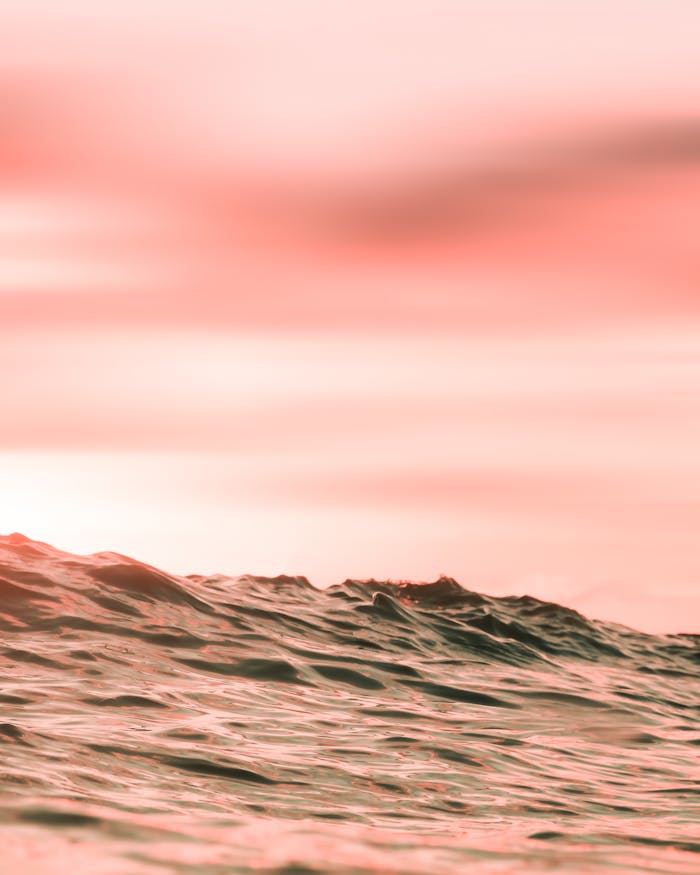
(160, 724)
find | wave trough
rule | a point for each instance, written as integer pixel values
(151, 723)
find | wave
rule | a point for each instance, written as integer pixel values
(379, 725)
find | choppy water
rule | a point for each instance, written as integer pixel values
(157, 724)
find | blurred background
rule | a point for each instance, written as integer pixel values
(369, 289)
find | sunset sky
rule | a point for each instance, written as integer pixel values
(367, 289)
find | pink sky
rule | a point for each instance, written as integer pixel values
(367, 289)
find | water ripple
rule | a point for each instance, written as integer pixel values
(153, 723)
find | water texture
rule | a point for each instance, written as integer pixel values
(159, 724)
